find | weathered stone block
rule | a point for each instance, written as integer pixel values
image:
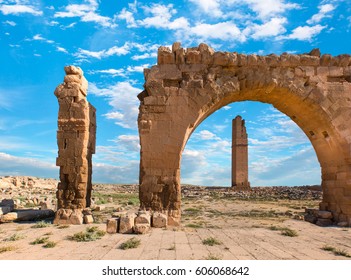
(141, 228)
(126, 223)
(325, 214)
(112, 225)
(165, 56)
(159, 220)
(9, 217)
(324, 222)
(143, 218)
(88, 219)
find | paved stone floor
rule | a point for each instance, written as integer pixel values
(237, 243)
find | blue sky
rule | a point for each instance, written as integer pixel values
(112, 41)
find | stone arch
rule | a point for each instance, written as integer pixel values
(188, 85)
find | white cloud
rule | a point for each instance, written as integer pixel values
(118, 51)
(122, 72)
(128, 17)
(60, 49)
(301, 168)
(14, 165)
(268, 8)
(122, 97)
(305, 33)
(38, 37)
(224, 31)
(11, 23)
(324, 11)
(87, 13)
(209, 7)
(205, 135)
(106, 173)
(128, 142)
(112, 72)
(161, 18)
(144, 56)
(19, 9)
(274, 27)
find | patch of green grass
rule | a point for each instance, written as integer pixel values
(211, 241)
(63, 226)
(213, 257)
(90, 234)
(193, 225)
(341, 252)
(337, 252)
(192, 209)
(328, 248)
(7, 249)
(130, 244)
(284, 231)
(289, 232)
(41, 224)
(39, 240)
(15, 237)
(50, 244)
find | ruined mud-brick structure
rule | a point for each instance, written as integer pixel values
(76, 144)
(240, 157)
(188, 85)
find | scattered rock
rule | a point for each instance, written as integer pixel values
(324, 222)
(69, 216)
(159, 220)
(88, 219)
(112, 225)
(126, 223)
(141, 228)
(325, 214)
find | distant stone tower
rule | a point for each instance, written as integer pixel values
(76, 144)
(240, 165)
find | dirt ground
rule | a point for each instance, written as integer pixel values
(213, 227)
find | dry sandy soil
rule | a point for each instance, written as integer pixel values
(215, 225)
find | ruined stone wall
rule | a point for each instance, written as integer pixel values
(76, 144)
(240, 157)
(188, 85)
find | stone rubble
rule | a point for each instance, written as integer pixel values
(139, 223)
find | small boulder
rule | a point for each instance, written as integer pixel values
(159, 220)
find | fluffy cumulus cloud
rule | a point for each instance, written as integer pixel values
(87, 13)
(161, 17)
(223, 31)
(209, 7)
(273, 27)
(18, 9)
(324, 11)
(148, 51)
(269, 8)
(305, 33)
(122, 97)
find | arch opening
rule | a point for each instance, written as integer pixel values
(280, 154)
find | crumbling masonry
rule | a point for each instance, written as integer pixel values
(76, 144)
(240, 157)
(188, 85)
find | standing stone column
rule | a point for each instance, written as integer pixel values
(240, 164)
(76, 144)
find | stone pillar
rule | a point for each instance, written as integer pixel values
(240, 165)
(76, 144)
